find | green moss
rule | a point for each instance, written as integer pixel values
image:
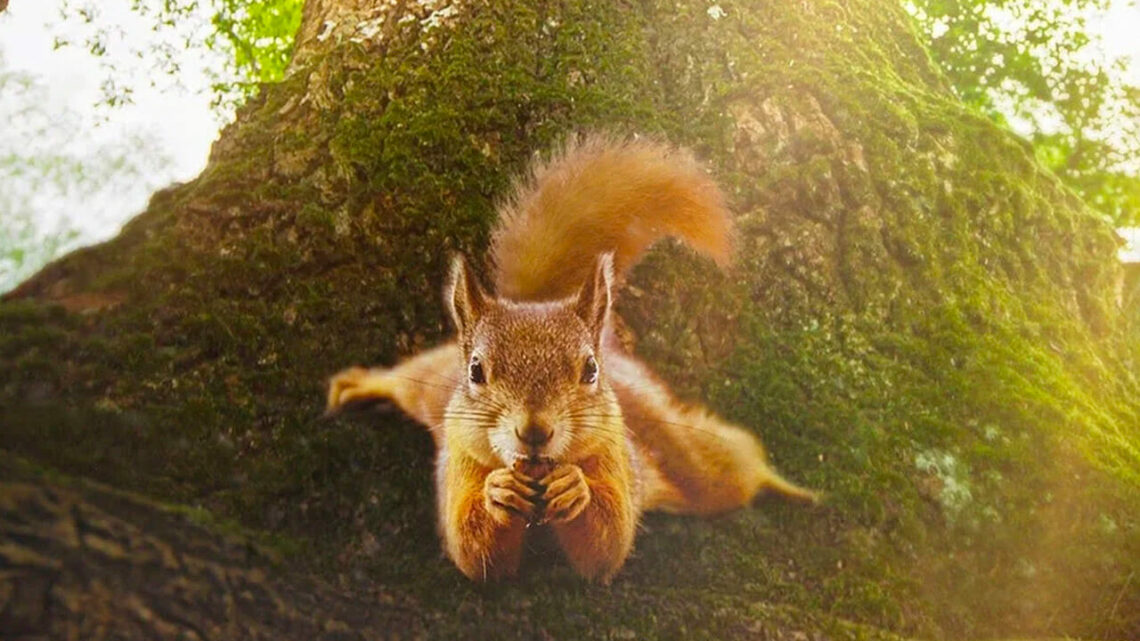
(920, 324)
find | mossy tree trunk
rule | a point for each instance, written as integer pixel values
(921, 324)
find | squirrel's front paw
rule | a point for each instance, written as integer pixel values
(507, 494)
(566, 495)
(356, 384)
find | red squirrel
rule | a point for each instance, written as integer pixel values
(539, 416)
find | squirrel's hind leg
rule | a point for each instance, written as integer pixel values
(421, 386)
(701, 463)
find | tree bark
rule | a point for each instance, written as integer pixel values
(86, 562)
(920, 323)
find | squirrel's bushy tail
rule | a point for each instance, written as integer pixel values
(603, 195)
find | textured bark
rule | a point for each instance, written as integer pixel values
(89, 563)
(921, 323)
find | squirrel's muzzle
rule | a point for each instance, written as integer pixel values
(534, 435)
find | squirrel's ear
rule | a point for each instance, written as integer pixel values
(464, 296)
(593, 303)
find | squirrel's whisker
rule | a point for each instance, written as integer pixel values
(420, 381)
(504, 382)
(646, 419)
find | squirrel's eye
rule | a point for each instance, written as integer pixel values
(475, 372)
(590, 371)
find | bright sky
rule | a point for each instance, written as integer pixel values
(1120, 28)
(1130, 252)
(179, 121)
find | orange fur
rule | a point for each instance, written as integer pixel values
(483, 544)
(601, 195)
(701, 463)
(539, 417)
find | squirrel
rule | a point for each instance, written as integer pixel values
(539, 416)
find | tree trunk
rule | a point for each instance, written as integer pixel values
(920, 323)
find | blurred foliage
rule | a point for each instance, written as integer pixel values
(1034, 65)
(1031, 65)
(919, 325)
(53, 157)
(260, 35)
(255, 38)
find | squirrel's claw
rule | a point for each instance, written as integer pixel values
(566, 495)
(506, 494)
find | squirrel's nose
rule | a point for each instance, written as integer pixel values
(534, 435)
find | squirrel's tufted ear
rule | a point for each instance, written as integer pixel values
(593, 302)
(464, 296)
